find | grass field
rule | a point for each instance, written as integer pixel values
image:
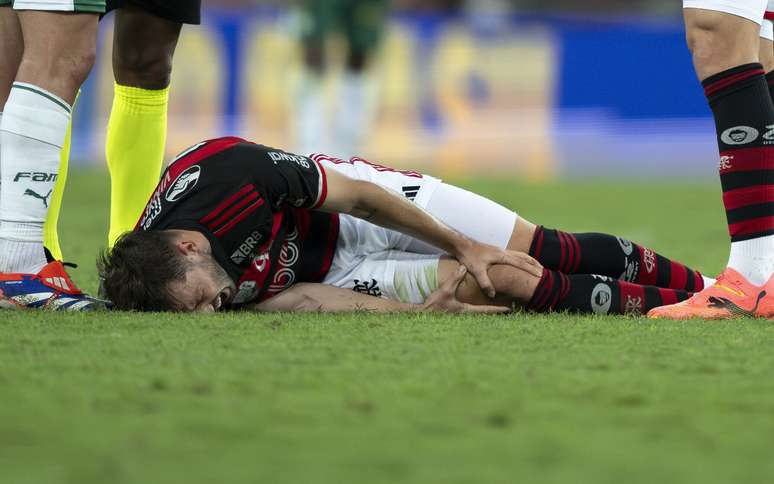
(361, 398)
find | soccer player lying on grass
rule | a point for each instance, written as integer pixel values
(234, 224)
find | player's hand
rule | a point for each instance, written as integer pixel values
(479, 257)
(444, 299)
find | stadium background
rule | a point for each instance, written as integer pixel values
(534, 88)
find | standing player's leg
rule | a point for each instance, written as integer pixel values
(59, 51)
(11, 50)
(364, 23)
(310, 127)
(724, 41)
(143, 48)
(51, 226)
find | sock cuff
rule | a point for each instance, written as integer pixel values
(731, 79)
(137, 100)
(537, 242)
(25, 231)
(770, 78)
(36, 114)
(31, 94)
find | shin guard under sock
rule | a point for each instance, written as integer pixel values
(607, 255)
(585, 293)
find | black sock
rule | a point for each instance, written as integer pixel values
(585, 293)
(770, 81)
(744, 116)
(611, 256)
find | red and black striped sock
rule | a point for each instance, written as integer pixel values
(585, 293)
(770, 82)
(744, 120)
(607, 255)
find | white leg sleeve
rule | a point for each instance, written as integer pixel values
(767, 30)
(477, 217)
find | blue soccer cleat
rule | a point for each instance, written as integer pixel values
(50, 289)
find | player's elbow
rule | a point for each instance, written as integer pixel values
(365, 199)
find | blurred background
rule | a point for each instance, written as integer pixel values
(534, 88)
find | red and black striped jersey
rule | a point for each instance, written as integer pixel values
(254, 204)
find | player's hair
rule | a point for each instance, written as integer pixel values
(137, 271)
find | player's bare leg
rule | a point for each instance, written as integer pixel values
(143, 49)
(726, 55)
(554, 291)
(11, 50)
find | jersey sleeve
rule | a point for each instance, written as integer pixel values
(289, 178)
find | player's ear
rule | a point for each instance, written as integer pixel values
(189, 243)
(187, 247)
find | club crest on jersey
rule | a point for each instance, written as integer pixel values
(184, 183)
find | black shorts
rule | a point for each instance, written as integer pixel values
(181, 11)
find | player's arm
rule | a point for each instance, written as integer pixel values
(310, 297)
(383, 207)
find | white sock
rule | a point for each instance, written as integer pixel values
(32, 132)
(311, 132)
(1, 153)
(355, 113)
(754, 259)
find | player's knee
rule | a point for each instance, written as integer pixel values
(314, 57)
(144, 68)
(514, 283)
(72, 67)
(717, 43)
(357, 60)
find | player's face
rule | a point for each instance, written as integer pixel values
(207, 287)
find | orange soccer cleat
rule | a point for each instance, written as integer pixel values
(732, 296)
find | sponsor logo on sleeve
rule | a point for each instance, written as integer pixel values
(297, 159)
(184, 183)
(153, 208)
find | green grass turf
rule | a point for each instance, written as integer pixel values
(362, 398)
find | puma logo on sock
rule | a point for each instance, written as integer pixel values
(35, 195)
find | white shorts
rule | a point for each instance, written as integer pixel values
(386, 263)
(80, 6)
(750, 9)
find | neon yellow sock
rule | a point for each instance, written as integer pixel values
(51, 225)
(136, 135)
